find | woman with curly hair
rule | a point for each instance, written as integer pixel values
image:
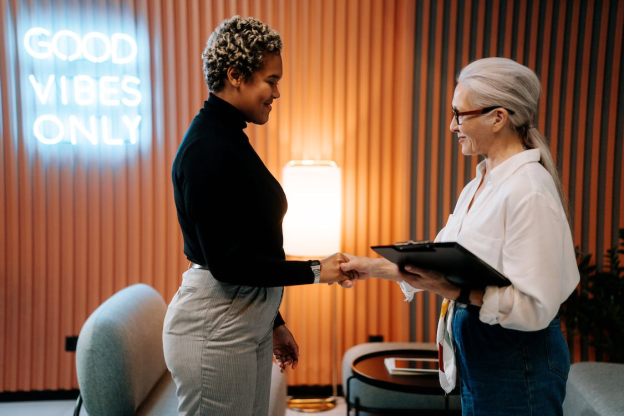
(224, 322)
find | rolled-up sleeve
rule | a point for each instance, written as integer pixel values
(538, 258)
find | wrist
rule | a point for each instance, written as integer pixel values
(384, 269)
(316, 265)
(464, 296)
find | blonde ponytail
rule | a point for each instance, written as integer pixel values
(535, 140)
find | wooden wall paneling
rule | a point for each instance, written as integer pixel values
(350, 228)
(384, 16)
(599, 44)
(573, 47)
(24, 245)
(613, 162)
(545, 43)
(158, 54)
(362, 139)
(374, 167)
(464, 163)
(521, 21)
(493, 32)
(405, 13)
(554, 98)
(587, 18)
(8, 196)
(572, 37)
(77, 228)
(419, 155)
(450, 148)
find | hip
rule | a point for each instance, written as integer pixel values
(207, 309)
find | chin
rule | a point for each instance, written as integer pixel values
(467, 150)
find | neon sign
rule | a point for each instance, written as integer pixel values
(85, 89)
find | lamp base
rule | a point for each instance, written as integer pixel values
(311, 405)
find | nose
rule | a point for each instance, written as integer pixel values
(276, 93)
(454, 127)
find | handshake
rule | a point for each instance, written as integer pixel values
(346, 269)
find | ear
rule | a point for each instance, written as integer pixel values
(234, 77)
(500, 120)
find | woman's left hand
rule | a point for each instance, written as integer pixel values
(285, 348)
(429, 280)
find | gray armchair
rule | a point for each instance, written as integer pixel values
(120, 361)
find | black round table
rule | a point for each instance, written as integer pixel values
(370, 369)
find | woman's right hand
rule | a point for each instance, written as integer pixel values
(331, 271)
(366, 267)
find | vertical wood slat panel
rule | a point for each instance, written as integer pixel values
(612, 162)
(594, 133)
(9, 237)
(575, 48)
(398, 221)
(98, 226)
(420, 95)
(97, 195)
(355, 314)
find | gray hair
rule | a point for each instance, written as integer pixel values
(508, 84)
(240, 43)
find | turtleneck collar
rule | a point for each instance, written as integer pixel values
(227, 112)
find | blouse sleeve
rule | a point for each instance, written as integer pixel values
(538, 257)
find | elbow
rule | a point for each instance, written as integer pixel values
(515, 310)
(533, 318)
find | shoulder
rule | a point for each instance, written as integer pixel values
(207, 147)
(531, 187)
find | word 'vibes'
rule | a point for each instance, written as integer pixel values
(96, 96)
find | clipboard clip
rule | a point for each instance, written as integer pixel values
(411, 242)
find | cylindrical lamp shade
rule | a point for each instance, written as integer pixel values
(312, 226)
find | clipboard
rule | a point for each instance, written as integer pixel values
(460, 266)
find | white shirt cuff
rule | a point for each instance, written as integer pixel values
(408, 291)
(489, 309)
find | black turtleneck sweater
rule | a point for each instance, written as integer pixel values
(230, 207)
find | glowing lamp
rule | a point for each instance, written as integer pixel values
(312, 226)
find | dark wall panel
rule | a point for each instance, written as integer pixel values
(575, 47)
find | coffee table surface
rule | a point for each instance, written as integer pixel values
(370, 369)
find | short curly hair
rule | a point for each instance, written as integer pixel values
(240, 43)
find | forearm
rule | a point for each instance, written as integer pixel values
(384, 269)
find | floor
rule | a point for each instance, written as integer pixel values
(66, 408)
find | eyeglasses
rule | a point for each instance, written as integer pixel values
(486, 110)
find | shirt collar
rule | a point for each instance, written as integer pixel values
(226, 111)
(501, 172)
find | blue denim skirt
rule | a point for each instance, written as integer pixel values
(508, 372)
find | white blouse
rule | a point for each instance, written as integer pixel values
(519, 227)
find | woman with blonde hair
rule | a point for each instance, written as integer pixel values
(504, 343)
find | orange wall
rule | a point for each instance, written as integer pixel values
(78, 225)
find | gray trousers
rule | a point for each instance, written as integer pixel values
(218, 344)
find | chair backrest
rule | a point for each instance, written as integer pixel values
(119, 356)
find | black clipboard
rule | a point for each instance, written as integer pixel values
(458, 264)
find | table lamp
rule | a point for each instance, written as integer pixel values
(312, 229)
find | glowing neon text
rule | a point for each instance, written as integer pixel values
(80, 106)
